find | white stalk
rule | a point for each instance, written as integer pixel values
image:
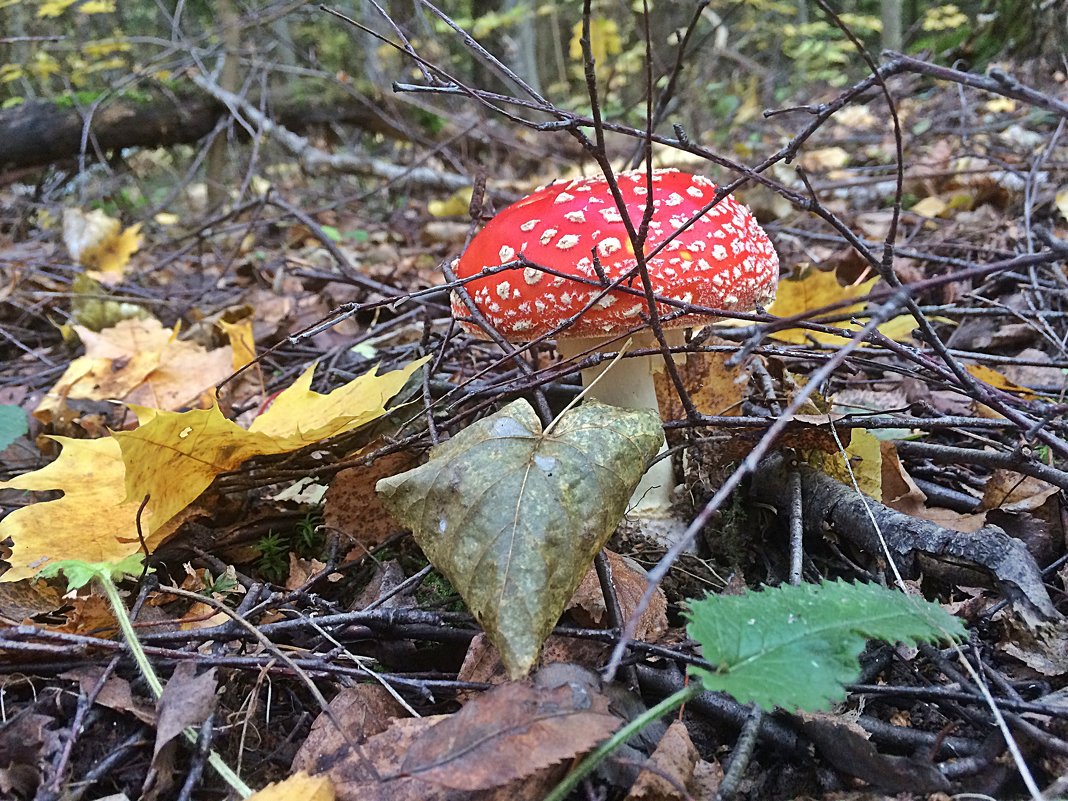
(629, 384)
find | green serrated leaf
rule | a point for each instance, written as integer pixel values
(13, 424)
(513, 517)
(794, 647)
(79, 573)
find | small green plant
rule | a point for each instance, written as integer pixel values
(274, 560)
(789, 647)
(306, 541)
(106, 574)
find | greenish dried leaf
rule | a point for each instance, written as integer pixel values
(513, 516)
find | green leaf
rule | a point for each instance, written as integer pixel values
(795, 647)
(513, 517)
(331, 232)
(79, 573)
(12, 424)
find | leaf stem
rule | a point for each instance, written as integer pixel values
(590, 763)
(138, 653)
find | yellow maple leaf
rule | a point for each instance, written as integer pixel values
(819, 288)
(173, 457)
(92, 521)
(298, 787)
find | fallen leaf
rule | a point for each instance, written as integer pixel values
(114, 694)
(864, 457)
(630, 582)
(714, 388)
(511, 743)
(298, 787)
(509, 733)
(86, 523)
(353, 508)
(931, 206)
(670, 769)
(137, 361)
(456, 205)
(355, 715)
(187, 700)
(997, 380)
(242, 341)
(174, 457)
(513, 516)
(28, 743)
(99, 242)
(22, 600)
(1062, 203)
(819, 288)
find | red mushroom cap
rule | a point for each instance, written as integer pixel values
(724, 260)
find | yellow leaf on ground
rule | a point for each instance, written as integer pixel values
(298, 787)
(1062, 203)
(87, 523)
(137, 361)
(864, 453)
(456, 205)
(932, 206)
(173, 457)
(242, 341)
(998, 381)
(819, 288)
(300, 416)
(98, 242)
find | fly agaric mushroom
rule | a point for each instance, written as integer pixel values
(724, 260)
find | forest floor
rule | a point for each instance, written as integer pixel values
(269, 598)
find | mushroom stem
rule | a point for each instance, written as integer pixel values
(629, 384)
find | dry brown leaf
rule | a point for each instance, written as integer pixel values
(713, 387)
(362, 711)
(670, 769)
(22, 600)
(352, 507)
(630, 581)
(115, 694)
(899, 490)
(508, 733)
(510, 744)
(1013, 492)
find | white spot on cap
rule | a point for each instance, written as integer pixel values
(633, 311)
(528, 226)
(611, 215)
(547, 235)
(577, 216)
(606, 301)
(506, 253)
(609, 246)
(504, 289)
(532, 275)
(719, 252)
(568, 241)
(693, 191)
(674, 199)
(563, 197)
(522, 325)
